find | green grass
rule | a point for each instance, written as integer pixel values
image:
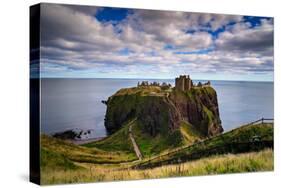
(142, 91)
(109, 159)
(189, 133)
(218, 164)
(236, 141)
(226, 163)
(50, 160)
(119, 141)
(203, 90)
(150, 145)
(83, 154)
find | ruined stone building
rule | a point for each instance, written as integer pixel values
(143, 83)
(184, 83)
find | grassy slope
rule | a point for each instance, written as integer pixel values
(142, 91)
(114, 149)
(63, 162)
(118, 147)
(54, 161)
(76, 153)
(235, 141)
(228, 163)
(117, 142)
(144, 98)
(189, 133)
(151, 146)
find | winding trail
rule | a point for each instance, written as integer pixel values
(136, 147)
(182, 148)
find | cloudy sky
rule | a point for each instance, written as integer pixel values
(93, 42)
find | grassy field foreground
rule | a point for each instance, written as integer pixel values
(248, 148)
(218, 164)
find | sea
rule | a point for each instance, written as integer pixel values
(76, 103)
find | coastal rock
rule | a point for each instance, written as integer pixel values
(199, 107)
(161, 112)
(75, 134)
(154, 112)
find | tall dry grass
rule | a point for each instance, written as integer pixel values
(229, 163)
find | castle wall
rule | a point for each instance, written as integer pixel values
(183, 83)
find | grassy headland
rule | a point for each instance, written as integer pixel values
(63, 162)
(159, 132)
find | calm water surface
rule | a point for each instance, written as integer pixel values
(76, 103)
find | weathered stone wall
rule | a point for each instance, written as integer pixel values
(183, 83)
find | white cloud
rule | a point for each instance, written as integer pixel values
(73, 39)
(243, 39)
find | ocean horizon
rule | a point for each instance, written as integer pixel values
(144, 79)
(75, 103)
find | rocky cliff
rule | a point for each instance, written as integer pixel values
(199, 107)
(162, 111)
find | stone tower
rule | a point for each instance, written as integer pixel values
(183, 83)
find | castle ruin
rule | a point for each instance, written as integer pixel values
(184, 83)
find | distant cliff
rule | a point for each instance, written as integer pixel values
(161, 111)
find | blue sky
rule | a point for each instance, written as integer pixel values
(97, 42)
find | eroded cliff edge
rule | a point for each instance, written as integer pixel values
(161, 110)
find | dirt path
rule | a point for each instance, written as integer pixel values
(136, 147)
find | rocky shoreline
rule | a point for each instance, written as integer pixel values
(75, 135)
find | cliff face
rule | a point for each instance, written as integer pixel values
(199, 107)
(161, 112)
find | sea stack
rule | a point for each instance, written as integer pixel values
(161, 111)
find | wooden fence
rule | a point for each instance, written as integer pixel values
(230, 147)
